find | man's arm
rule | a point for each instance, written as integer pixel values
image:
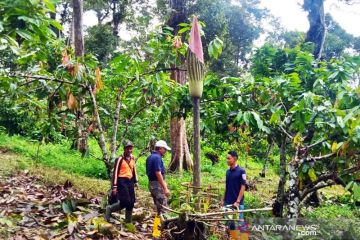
(242, 189)
(162, 183)
(240, 196)
(116, 174)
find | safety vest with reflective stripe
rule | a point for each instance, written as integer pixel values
(126, 170)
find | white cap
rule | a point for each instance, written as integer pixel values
(162, 143)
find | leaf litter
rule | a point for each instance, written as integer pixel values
(31, 210)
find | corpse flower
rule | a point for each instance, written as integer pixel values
(195, 60)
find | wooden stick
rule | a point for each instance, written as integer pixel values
(230, 212)
(220, 213)
(170, 210)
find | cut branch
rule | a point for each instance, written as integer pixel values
(310, 159)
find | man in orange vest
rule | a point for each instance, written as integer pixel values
(124, 180)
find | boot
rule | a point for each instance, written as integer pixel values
(128, 216)
(111, 208)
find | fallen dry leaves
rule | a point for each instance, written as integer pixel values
(32, 210)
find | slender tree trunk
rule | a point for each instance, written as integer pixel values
(294, 199)
(280, 197)
(82, 137)
(317, 31)
(196, 172)
(102, 140)
(263, 171)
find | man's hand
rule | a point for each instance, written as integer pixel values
(114, 191)
(222, 202)
(166, 192)
(236, 204)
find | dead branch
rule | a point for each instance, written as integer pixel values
(230, 212)
(37, 78)
(202, 215)
(310, 159)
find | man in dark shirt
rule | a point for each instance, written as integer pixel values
(235, 184)
(156, 174)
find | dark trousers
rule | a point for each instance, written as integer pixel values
(126, 193)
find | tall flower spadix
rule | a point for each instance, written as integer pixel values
(195, 60)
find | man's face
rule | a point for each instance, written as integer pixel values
(128, 151)
(162, 151)
(230, 160)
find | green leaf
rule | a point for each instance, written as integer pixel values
(215, 47)
(275, 117)
(182, 30)
(340, 121)
(184, 25)
(57, 25)
(312, 174)
(349, 186)
(24, 34)
(239, 116)
(258, 120)
(68, 206)
(247, 116)
(356, 192)
(305, 168)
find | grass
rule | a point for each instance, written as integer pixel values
(58, 156)
(11, 163)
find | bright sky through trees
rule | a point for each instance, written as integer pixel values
(293, 17)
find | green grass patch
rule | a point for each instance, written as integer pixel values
(58, 156)
(333, 211)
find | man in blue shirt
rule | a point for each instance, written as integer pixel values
(156, 174)
(235, 184)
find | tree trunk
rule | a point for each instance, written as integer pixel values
(78, 28)
(180, 157)
(294, 199)
(263, 171)
(102, 140)
(317, 30)
(280, 197)
(196, 172)
(82, 134)
(118, 14)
